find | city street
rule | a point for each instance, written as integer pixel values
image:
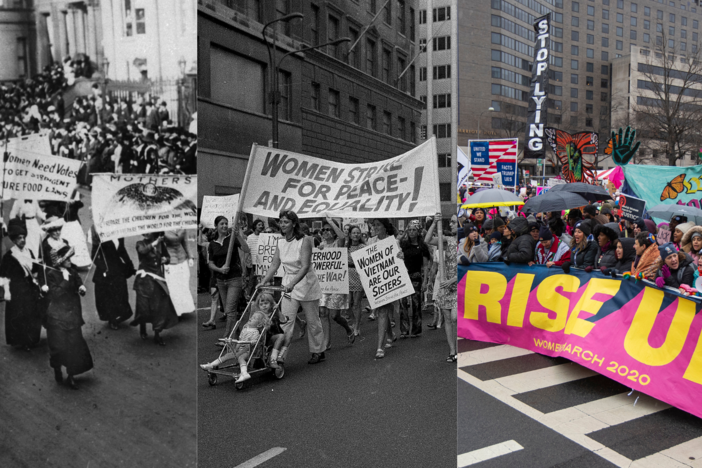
(135, 408)
(518, 408)
(349, 411)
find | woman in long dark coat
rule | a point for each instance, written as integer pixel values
(112, 268)
(22, 311)
(64, 319)
(154, 304)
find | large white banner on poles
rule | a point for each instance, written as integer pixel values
(216, 206)
(332, 268)
(400, 187)
(383, 276)
(31, 176)
(131, 204)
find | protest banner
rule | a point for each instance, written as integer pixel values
(631, 208)
(553, 181)
(332, 268)
(542, 190)
(488, 157)
(131, 204)
(629, 331)
(267, 247)
(216, 206)
(360, 222)
(32, 176)
(73, 233)
(402, 186)
(383, 276)
(36, 143)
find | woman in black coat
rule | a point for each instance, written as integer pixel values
(675, 268)
(583, 249)
(626, 254)
(64, 319)
(23, 314)
(112, 268)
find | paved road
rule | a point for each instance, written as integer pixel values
(350, 411)
(537, 411)
(136, 408)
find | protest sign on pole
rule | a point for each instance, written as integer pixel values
(267, 246)
(216, 206)
(72, 232)
(131, 204)
(631, 208)
(331, 266)
(311, 187)
(383, 276)
(32, 176)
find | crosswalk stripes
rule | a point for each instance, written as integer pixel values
(587, 408)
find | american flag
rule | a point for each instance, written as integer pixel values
(504, 151)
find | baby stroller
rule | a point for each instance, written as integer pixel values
(259, 356)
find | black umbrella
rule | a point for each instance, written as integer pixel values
(553, 201)
(590, 192)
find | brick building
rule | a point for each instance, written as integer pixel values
(336, 103)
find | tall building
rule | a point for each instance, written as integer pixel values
(496, 50)
(350, 102)
(438, 87)
(17, 32)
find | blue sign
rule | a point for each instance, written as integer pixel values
(479, 153)
(509, 173)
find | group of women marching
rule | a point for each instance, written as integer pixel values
(302, 293)
(42, 288)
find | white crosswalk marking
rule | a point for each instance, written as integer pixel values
(578, 421)
(493, 451)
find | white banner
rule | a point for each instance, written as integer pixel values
(332, 268)
(399, 187)
(73, 233)
(32, 176)
(131, 204)
(37, 143)
(216, 206)
(267, 246)
(383, 275)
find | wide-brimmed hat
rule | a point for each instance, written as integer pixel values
(61, 255)
(52, 223)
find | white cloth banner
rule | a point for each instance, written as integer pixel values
(131, 204)
(399, 187)
(178, 282)
(73, 233)
(332, 268)
(267, 247)
(383, 276)
(216, 206)
(32, 176)
(37, 143)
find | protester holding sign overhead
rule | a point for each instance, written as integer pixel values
(301, 285)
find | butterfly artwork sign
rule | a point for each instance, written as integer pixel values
(665, 184)
(576, 152)
(132, 204)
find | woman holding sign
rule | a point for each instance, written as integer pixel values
(331, 305)
(355, 242)
(301, 285)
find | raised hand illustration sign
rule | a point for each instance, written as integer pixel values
(620, 146)
(572, 151)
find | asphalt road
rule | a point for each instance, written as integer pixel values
(350, 411)
(136, 408)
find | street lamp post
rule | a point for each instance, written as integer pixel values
(181, 92)
(274, 67)
(105, 69)
(490, 109)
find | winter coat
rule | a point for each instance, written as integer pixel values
(495, 253)
(685, 274)
(648, 263)
(629, 256)
(686, 244)
(479, 253)
(521, 250)
(585, 257)
(558, 253)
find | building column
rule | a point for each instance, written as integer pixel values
(79, 18)
(92, 45)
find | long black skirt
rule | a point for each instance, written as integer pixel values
(112, 300)
(23, 318)
(68, 348)
(153, 304)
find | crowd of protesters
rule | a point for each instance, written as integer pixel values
(231, 288)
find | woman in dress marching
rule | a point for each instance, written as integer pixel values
(354, 242)
(67, 347)
(178, 271)
(30, 213)
(153, 304)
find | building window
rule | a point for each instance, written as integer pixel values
(646, 38)
(632, 35)
(402, 128)
(575, 6)
(442, 100)
(442, 43)
(22, 57)
(590, 39)
(285, 88)
(589, 95)
(370, 117)
(442, 14)
(411, 24)
(314, 25)
(315, 96)
(413, 132)
(575, 21)
(589, 67)
(372, 7)
(683, 33)
(575, 35)
(386, 66)
(237, 81)
(588, 122)
(590, 53)
(444, 159)
(128, 18)
(605, 70)
(634, 7)
(332, 35)
(370, 57)
(647, 11)
(282, 8)
(445, 192)
(620, 45)
(442, 72)
(671, 31)
(422, 44)
(605, 28)
(590, 10)
(605, 14)
(334, 107)
(401, 20)
(605, 56)
(387, 14)
(620, 18)
(589, 81)
(671, 18)
(402, 81)
(353, 110)
(574, 92)
(573, 78)
(442, 130)
(574, 107)
(422, 16)
(574, 50)
(423, 73)
(603, 97)
(647, 25)
(590, 25)
(412, 85)
(633, 21)
(574, 64)
(353, 55)
(387, 119)
(620, 32)
(604, 83)
(683, 20)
